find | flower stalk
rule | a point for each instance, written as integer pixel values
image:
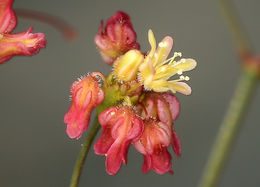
(83, 153)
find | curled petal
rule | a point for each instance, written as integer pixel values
(86, 95)
(7, 16)
(25, 43)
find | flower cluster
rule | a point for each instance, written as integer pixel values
(135, 103)
(24, 43)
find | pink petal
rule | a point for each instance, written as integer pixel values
(74, 132)
(104, 142)
(176, 143)
(105, 116)
(147, 163)
(137, 130)
(174, 104)
(164, 112)
(161, 161)
(7, 17)
(114, 157)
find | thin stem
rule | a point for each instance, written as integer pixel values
(229, 129)
(61, 25)
(83, 153)
(241, 41)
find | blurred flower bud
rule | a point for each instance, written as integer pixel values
(24, 43)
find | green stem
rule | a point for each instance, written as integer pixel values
(229, 129)
(83, 153)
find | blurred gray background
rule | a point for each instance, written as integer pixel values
(34, 96)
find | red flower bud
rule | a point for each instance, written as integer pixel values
(121, 126)
(86, 95)
(159, 111)
(116, 38)
(153, 145)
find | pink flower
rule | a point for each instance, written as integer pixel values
(24, 43)
(121, 126)
(86, 95)
(159, 112)
(116, 38)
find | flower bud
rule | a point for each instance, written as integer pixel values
(153, 145)
(159, 111)
(86, 95)
(126, 67)
(116, 38)
(121, 126)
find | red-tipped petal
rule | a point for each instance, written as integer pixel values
(25, 43)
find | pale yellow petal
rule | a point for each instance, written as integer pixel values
(168, 70)
(181, 87)
(152, 42)
(162, 51)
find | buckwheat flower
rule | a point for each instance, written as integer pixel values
(159, 112)
(116, 38)
(24, 43)
(121, 126)
(156, 70)
(86, 94)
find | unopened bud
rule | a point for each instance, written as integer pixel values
(126, 67)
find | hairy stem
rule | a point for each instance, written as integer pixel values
(83, 153)
(229, 129)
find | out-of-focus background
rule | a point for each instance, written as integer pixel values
(34, 94)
